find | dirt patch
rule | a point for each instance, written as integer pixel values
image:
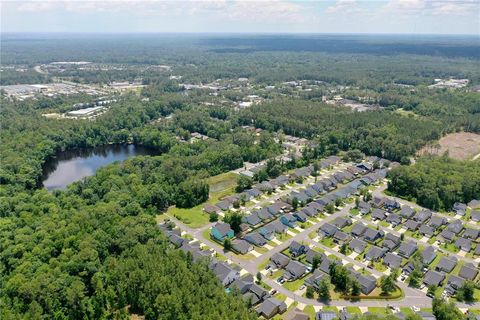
(462, 145)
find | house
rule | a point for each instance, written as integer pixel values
(275, 208)
(310, 211)
(341, 222)
(264, 214)
(394, 219)
(391, 241)
(428, 255)
(225, 273)
(375, 253)
(426, 230)
(271, 307)
(310, 192)
(446, 264)
(372, 235)
(455, 226)
(446, 236)
(243, 284)
(341, 237)
(364, 207)
(357, 245)
(477, 250)
(318, 187)
(279, 261)
(176, 240)
(378, 202)
(289, 220)
(252, 219)
(312, 253)
(255, 294)
(297, 249)
(407, 249)
(392, 260)
(255, 238)
(464, 244)
(475, 215)
(367, 283)
(468, 271)
(453, 284)
(433, 278)
(210, 209)
(365, 167)
(379, 214)
(422, 216)
(277, 227)
(408, 268)
(296, 314)
(426, 315)
(220, 231)
(267, 232)
(459, 208)
(316, 206)
(358, 229)
(471, 233)
(294, 270)
(474, 204)
(315, 279)
(241, 246)
(326, 315)
(300, 216)
(254, 192)
(325, 264)
(327, 230)
(391, 204)
(407, 212)
(411, 225)
(437, 221)
(224, 205)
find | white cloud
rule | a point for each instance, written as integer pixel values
(341, 6)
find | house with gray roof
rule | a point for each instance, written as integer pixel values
(358, 229)
(378, 202)
(264, 214)
(271, 307)
(475, 215)
(426, 230)
(341, 222)
(294, 270)
(310, 211)
(327, 230)
(267, 232)
(422, 216)
(276, 227)
(426, 315)
(428, 255)
(256, 239)
(437, 221)
(375, 253)
(407, 212)
(312, 253)
(394, 219)
(471, 233)
(378, 214)
(341, 237)
(315, 205)
(455, 226)
(364, 207)
(412, 225)
(446, 236)
(367, 282)
(474, 204)
(315, 279)
(372, 235)
(477, 250)
(459, 208)
(241, 246)
(210, 209)
(289, 220)
(256, 294)
(243, 284)
(393, 261)
(357, 245)
(407, 249)
(297, 249)
(464, 244)
(279, 261)
(433, 278)
(326, 315)
(325, 264)
(224, 205)
(176, 240)
(468, 271)
(453, 284)
(446, 264)
(300, 216)
(252, 219)
(225, 273)
(391, 241)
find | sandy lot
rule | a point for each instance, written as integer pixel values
(462, 145)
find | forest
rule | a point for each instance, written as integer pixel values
(437, 182)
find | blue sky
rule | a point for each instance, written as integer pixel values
(245, 16)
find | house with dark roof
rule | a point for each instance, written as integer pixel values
(312, 253)
(310, 192)
(468, 271)
(459, 208)
(264, 214)
(275, 208)
(455, 226)
(437, 221)
(271, 307)
(242, 284)
(225, 273)
(391, 204)
(297, 249)
(394, 219)
(408, 268)
(378, 214)
(358, 229)
(294, 270)
(279, 261)
(210, 209)
(224, 205)
(378, 202)
(325, 264)
(433, 278)
(289, 220)
(475, 215)
(256, 294)
(372, 235)
(221, 231)
(267, 232)
(241, 246)
(422, 216)
(474, 204)
(341, 237)
(296, 314)
(315, 279)
(407, 212)
(277, 227)
(375, 253)
(446, 236)
(357, 245)
(341, 222)
(176, 240)
(471, 233)
(477, 250)
(393, 261)
(391, 241)
(367, 282)
(407, 249)
(255, 238)
(300, 216)
(464, 244)
(426, 230)
(318, 187)
(316, 206)
(254, 192)
(364, 207)
(411, 225)
(327, 230)
(453, 284)
(428, 255)
(252, 219)
(325, 315)
(310, 211)
(446, 264)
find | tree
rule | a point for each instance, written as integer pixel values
(317, 259)
(227, 244)
(466, 292)
(330, 208)
(309, 293)
(357, 202)
(295, 203)
(387, 283)
(213, 217)
(414, 278)
(243, 182)
(338, 202)
(344, 248)
(259, 277)
(355, 288)
(432, 289)
(446, 311)
(324, 290)
(234, 219)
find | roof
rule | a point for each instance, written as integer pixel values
(446, 264)
(295, 269)
(379, 214)
(475, 215)
(223, 228)
(468, 271)
(255, 238)
(411, 224)
(269, 306)
(357, 245)
(437, 221)
(428, 255)
(392, 260)
(296, 314)
(455, 226)
(471, 233)
(358, 229)
(407, 249)
(241, 246)
(328, 229)
(426, 230)
(372, 234)
(391, 241)
(252, 219)
(447, 235)
(295, 246)
(407, 212)
(341, 222)
(280, 260)
(375, 253)
(312, 253)
(433, 278)
(222, 270)
(464, 244)
(422, 216)
(394, 218)
(341, 236)
(326, 315)
(209, 208)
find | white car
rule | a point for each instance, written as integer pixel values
(415, 309)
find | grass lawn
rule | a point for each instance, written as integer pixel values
(449, 247)
(328, 242)
(354, 310)
(407, 311)
(220, 186)
(354, 212)
(432, 240)
(384, 224)
(264, 263)
(310, 311)
(379, 310)
(436, 260)
(312, 234)
(330, 308)
(379, 266)
(293, 285)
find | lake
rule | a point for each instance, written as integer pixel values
(74, 165)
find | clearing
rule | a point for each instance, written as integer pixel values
(461, 145)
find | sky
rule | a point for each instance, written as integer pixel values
(243, 16)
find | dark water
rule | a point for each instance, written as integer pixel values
(74, 165)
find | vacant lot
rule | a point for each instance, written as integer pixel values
(462, 145)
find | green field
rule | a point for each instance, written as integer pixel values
(220, 186)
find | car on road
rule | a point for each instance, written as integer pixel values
(415, 309)
(273, 292)
(268, 267)
(302, 287)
